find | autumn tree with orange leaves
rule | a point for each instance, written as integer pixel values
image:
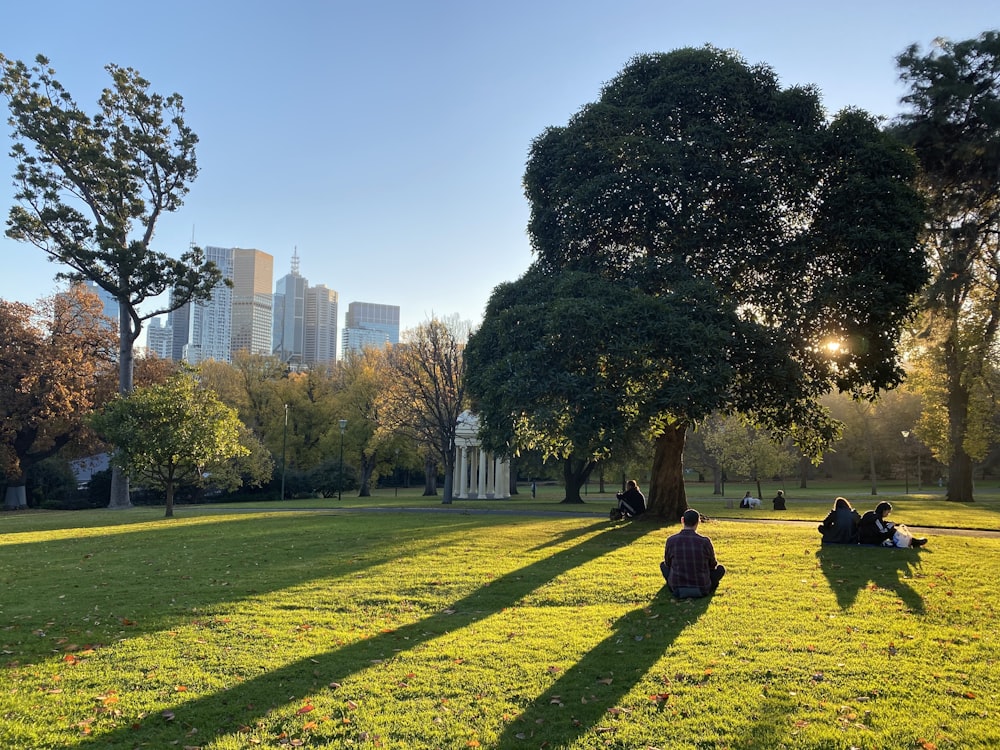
(52, 355)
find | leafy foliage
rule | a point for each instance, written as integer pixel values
(735, 214)
(177, 433)
(953, 126)
(90, 190)
(51, 358)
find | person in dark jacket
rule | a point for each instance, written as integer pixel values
(841, 524)
(779, 500)
(631, 502)
(876, 528)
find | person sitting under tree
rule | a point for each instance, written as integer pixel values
(689, 565)
(631, 502)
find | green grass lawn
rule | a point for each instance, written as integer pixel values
(229, 630)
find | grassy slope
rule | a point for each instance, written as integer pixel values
(416, 630)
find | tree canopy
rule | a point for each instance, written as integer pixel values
(738, 215)
(177, 433)
(953, 125)
(51, 358)
(90, 190)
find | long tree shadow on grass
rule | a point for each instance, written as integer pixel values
(850, 568)
(242, 705)
(587, 697)
(123, 575)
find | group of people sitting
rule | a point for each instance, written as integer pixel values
(749, 501)
(691, 569)
(844, 525)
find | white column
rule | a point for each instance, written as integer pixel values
(482, 472)
(463, 472)
(491, 475)
(500, 483)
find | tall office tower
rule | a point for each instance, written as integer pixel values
(321, 326)
(289, 315)
(108, 303)
(253, 272)
(179, 323)
(159, 339)
(211, 321)
(369, 324)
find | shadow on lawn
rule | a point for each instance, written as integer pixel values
(850, 568)
(241, 705)
(586, 697)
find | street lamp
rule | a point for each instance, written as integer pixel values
(395, 475)
(284, 444)
(906, 464)
(340, 484)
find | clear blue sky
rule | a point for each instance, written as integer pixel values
(386, 139)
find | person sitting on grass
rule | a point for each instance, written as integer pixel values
(876, 529)
(841, 524)
(779, 500)
(631, 502)
(689, 566)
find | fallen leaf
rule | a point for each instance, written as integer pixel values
(305, 709)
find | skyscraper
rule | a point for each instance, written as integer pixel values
(320, 326)
(252, 311)
(159, 339)
(370, 324)
(289, 315)
(211, 321)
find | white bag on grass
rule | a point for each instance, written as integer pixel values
(902, 537)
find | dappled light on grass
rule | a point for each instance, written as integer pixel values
(448, 631)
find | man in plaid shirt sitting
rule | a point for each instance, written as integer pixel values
(689, 565)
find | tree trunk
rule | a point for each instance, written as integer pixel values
(667, 498)
(512, 478)
(717, 481)
(430, 477)
(120, 496)
(960, 465)
(575, 474)
(803, 472)
(367, 468)
(449, 479)
(170, 500)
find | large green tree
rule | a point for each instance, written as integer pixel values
(953, 125)
(90, 190)
(580, 367)
(697, 177)
(178, 433)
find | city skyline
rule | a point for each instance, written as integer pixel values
(387, 141)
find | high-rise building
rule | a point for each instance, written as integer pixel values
(179, 323)
(320, 326)
(252, 311)
(109, 305)
(159, 339)
(369, 324)
(289, 315)
(211, 321)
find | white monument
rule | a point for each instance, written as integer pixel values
(478, 474)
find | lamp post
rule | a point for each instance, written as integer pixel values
(395, 475)
(340, 484)
(906, 464)
(284, 444)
